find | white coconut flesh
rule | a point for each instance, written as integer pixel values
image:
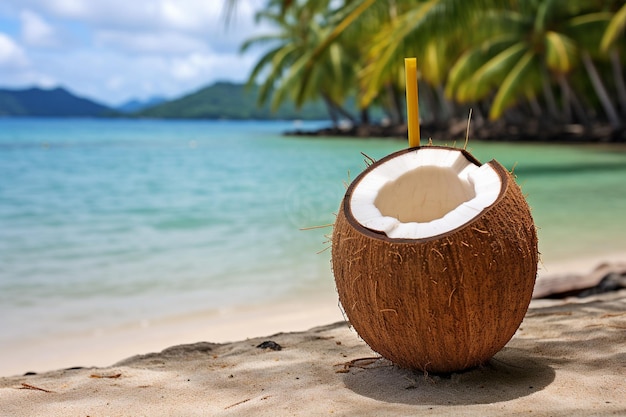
(424, 193)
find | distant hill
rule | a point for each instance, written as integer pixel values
(224, 100)
(56, 102)
(135, 105)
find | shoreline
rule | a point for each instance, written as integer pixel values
(562, 361)
(105, 347)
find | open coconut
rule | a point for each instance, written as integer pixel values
(435, 257)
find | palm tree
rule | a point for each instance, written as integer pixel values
(557, 59)
(301, 27)
(432, 31)
(506, 65)
(609, 43)
(533, 48)
(615, 29)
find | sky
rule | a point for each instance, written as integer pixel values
(112, 51)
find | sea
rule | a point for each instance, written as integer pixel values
(104, 222)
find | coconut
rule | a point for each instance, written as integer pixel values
(435, 258)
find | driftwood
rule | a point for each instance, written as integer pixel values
(605, 278)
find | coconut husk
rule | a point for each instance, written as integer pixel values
(444, 303)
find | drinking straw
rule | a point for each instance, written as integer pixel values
(412, 106)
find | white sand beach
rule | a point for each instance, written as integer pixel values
(106, 346)
(567, 358)
(103, 347)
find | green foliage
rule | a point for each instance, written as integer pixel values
(615, 29)
(500, 55)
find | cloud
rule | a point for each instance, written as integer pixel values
(150, 43)
(12, 57)
(16, 67)
(36, 31)
(114, 50)
(217, 66)
(181, 15)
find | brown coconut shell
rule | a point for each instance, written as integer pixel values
(445, 303)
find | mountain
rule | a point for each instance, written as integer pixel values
(56, 102)
(222, 100)
(225, 100)
(135, 105)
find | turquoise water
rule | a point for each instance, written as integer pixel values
(111, 221)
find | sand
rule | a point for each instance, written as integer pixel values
(567, 358)
(106, 346)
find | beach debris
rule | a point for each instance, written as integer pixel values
(270, 344)
(611, 282)
(201, 349)
(265, 397)
(237, 403)
(362, 363)
(111, 376)
(434, 256)
(606, 277)
(29, 386)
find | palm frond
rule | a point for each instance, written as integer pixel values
(491, 73)
(516, 84)
(615, 29)
(560, 52)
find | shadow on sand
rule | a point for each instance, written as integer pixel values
(511, 374)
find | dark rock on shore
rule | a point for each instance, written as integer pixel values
(530, 131)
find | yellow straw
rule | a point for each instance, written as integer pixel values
(412, 107)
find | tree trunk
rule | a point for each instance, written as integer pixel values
(600, 90)
(337, 109)
(579, 110)
(431, 115)
(399, 103)
(477, 115)
(618, 74)
(345, 113)
(566, 97)
(549, 95)
(365, 116)
(445, 106)
(535, 108)
(397, 116)
(331, 111)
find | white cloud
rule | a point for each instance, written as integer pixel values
(150, 43)
(67, 8)
(36, 31)
(45, 81)
(180, 15)
(12, 56)
(114, 50)
(197, 66)
(189, 67)
(185, 15)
